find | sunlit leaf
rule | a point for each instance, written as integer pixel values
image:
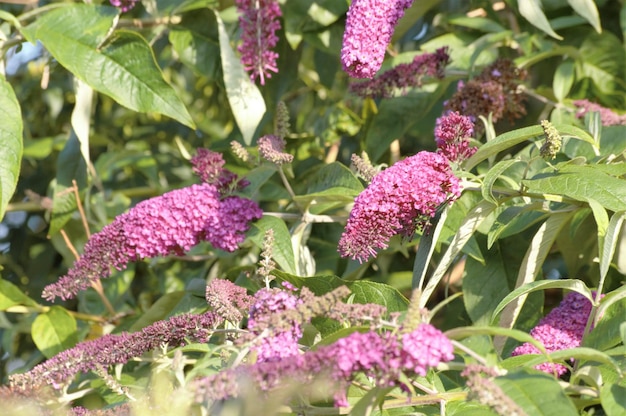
(245, 99)
(10, 142)
(54, 331)
(121, 66)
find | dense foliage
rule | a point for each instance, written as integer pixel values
(313, 207)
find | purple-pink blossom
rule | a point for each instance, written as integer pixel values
(124, 5)
(383, 357)
(259, 22)
(399, 200)
(273, 343)
(171, 223)
(452, 134)
(404, 76)
(562, 328)
(209, 167)
(369, 27)
(607, 116)
(271, 148)
(113, 349)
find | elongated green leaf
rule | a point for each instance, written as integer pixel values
(492, 176)
(531, 10)
(11, 295)
(536, 394)
(10, 142)
(588, 10)
(537, 252)
(122, 67)
(54, 331)
(425, 250)
(576, 133)
(613, 398)
(582, 183)
(613, 232)
(282, 249)
(608, 318)
(470, 331)
(81, 117)
(602, 220)
(70, 166)
(604, 61)
(474, 218)
(246, 101)
(567, 284)
(158, 310)
(563, 80)
(502, 142)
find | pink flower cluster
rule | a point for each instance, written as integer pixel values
(404, 76)
(171, 223)
(399, 200)
(369, 27)
(383, 357)
(124, 5)
(209, 167)
(562, 328)
(452, 134)
(113, 349)
(607, 116)
(271, 148)
(259, 21)
(273, 344)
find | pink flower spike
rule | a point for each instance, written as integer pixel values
(259, 21)
(399, 200)
(369, 27)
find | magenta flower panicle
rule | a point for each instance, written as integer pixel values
(562, 328)
(369, 27)
(404, 76)
(124, 5)
(607, 116)
(271, 148)
(259, 21)
(113, 349)
(452, 134)
(209, 167)
(399, 200)
(171, 223)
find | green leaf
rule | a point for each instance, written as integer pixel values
(563, 80)
(531, 10)
(159, 310)
(567, 284)
(462, 332)
(10, 142)
(479, 23)
(397, 116)
(513, 220)
(246, 101)
(603, 61)
(282, 249)
(613, 399)
(11, 295)
(54, 331)
(611, 239)
(582, 183)
(602, 221)
(609, 316)
(122, 66)
(588, 10)
(333, 186)
(492, 176)
(70, 166)
(473, 219)
(502, 142)
(537, 394)
(580, 353)
(81, 117)
(196, 42)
